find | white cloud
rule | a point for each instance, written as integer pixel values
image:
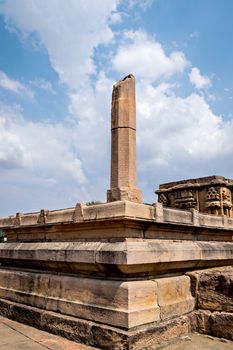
(38, 158)
(46, 164)
(70, 31)
(57, 164)
(198, 80)
(14, 85)
(179, 137)
(146, 58)
(42, 84)
(90, 114)
(142, 4)
(116, 17)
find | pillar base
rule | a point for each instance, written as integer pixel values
(124, 193)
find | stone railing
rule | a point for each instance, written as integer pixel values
(190, 217)
(121, 209)
(81, 212)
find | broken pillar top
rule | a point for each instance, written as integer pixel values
(124, 103)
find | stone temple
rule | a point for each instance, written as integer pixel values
(123, 274)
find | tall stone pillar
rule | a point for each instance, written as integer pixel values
(123, 148)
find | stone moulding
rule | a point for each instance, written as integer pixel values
(119, 259)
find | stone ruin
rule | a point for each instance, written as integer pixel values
(211, 195)
(124, 275)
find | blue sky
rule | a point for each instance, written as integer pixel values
(58, 62)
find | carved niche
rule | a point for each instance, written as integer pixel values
(209, 194)
(184, 199)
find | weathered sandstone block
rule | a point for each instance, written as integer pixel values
(213, 288)
(221, 324)
(217, 324)
(151, 336)
(203, 321)
(174, 296)
(123, 304)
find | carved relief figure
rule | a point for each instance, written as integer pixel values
(226, 201)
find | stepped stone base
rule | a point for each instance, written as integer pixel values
(124, 304)
(118, 275)
(150, 336)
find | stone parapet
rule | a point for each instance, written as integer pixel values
(77, 219)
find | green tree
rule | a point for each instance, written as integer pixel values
(2, 236)
(93, 203)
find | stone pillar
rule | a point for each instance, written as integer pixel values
(123, 149)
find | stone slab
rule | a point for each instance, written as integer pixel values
(213, 288)
(218, 324)
(124, 304)
(174, 296)
(222, 324)
(129, 258)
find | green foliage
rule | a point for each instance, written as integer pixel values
(93, 203)
(2, 236)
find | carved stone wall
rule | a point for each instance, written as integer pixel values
(211, 195)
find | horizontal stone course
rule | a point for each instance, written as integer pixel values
(117, 258)
(123, 304)
(154, 335)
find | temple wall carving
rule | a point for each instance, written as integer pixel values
(210, 195)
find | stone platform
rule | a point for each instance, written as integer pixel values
(117, 275)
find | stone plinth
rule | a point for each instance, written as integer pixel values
(211, 195)
(110, 275)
